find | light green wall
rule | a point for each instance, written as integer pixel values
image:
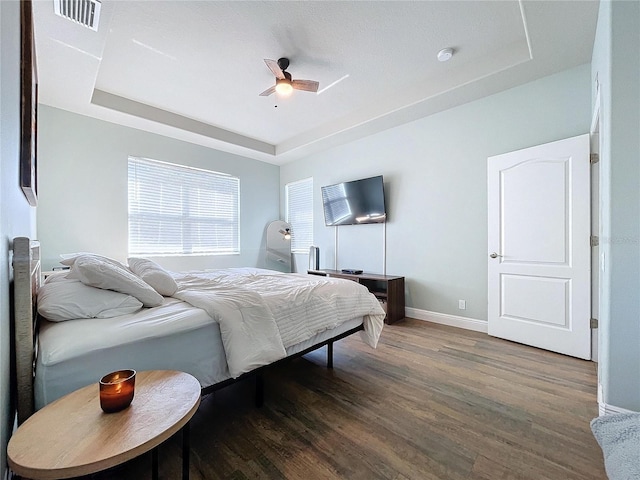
(17, 218)
(436, 186)
(616, 65)
(83, 189)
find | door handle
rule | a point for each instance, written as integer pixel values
(495, 255)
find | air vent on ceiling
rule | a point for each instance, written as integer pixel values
(84, 12)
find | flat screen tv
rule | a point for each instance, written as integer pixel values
(354, 203)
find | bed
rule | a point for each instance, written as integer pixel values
(218, 325)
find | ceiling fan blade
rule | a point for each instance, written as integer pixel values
(306, 85)
(274, 67)
(268, 91)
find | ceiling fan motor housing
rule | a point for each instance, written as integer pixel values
(283, 63)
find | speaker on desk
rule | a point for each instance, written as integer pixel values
(314, 258)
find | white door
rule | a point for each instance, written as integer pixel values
(539, 246)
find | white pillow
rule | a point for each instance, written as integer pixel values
(95, 272)
(69, 259)
(60, 276)
(67, 300)
(154, 275)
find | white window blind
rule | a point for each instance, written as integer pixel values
(299, 197)
(177, 210)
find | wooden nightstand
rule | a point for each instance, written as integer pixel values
(72, 436)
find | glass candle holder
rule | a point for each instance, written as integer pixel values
(116, 390)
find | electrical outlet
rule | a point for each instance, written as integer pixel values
(462, 304)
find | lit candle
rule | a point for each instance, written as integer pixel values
(116, 390)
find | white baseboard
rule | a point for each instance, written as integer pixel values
(605, 409)
(445, 319)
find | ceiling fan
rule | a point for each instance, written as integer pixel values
(284, 84)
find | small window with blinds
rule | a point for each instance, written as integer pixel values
(178, 210)
(299, 214)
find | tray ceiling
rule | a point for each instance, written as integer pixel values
(193, 70)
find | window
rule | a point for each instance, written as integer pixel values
(177, 210)
(300, 214)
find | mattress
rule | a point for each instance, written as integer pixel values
(174, 336)
(76, 353)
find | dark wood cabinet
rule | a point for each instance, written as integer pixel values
(388, 289)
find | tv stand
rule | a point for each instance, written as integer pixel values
(387, 288)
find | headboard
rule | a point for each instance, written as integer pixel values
(26, 281)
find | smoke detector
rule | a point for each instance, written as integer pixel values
(83, 12)
(445, 54)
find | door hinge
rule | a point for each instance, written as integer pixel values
(593, 323)
(594, 158)
(595, 240)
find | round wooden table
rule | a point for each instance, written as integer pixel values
(73, 436)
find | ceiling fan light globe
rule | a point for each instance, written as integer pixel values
(283, 87)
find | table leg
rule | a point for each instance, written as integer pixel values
(330, 355)
(259, 389)
(154, 463)
(185, 451)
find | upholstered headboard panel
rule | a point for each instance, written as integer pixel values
(26, 281)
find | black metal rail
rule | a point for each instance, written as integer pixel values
(257, 373)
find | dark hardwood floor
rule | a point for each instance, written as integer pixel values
(432, 402)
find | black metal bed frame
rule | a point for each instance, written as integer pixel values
(257, 373)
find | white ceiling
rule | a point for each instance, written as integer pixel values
(193, 70)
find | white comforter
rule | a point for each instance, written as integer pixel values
(262, 312)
